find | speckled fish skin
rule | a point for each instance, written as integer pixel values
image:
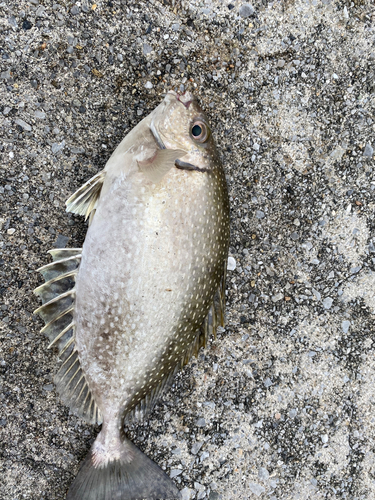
(151, 263)
(152, 260)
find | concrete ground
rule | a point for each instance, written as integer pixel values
(282, 405)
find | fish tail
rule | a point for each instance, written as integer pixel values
(131, 476)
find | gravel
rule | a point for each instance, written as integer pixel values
(286, 390)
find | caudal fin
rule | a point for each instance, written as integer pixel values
(139, 479)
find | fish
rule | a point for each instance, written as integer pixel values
(143, 294)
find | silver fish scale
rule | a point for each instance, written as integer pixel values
(151, 263)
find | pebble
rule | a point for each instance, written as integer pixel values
(369, 150)
(147, 49)
(263, 474)
(246, 10)
(259, 214)
(268, 382)
(316, 293)
(231, 266)
(11, 231)
(23, 124)
(61, 241)
(345, 326)
(48, 387)
(187, 493)
(175, 473)
(57, 147)
(201, 422)
(196, 447)
(292, 413)
(256, 488)
(277, 297)
(327, 302)
(148, 85)
(40, 114)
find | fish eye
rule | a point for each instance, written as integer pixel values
(199, 131)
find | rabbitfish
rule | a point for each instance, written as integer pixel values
(141, 297)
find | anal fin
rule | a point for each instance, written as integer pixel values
(58, 297)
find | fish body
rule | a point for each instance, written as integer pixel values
(153, 260)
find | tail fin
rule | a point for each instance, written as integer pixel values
(117, 480)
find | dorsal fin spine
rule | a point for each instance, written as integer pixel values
(54, 300)
(61, 334)
(47, 325)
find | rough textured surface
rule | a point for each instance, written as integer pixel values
(281, 406)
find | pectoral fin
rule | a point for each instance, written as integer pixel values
(155, 167)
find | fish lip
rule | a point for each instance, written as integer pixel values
(186, 98)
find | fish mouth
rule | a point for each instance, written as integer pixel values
(186, 98)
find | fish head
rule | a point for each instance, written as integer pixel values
(179, 123)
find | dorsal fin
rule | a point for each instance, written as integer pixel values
(214, 318)
(84, 200)
(57, 309)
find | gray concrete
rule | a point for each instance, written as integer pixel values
(281, 405)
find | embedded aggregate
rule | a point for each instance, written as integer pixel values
(281, 405)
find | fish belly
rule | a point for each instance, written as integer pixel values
(151, 263)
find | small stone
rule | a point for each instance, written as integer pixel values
(175, 473)
(277, 297)
(75, 10)
(201, 422)
(256, 488)
(345, 326)
(5, 75)
(148, 85)
(327, 302)
(13, 22)
(324, 438)
(48, 387)
(263, 474)
(196, 447)
(187, 494)
(40, 11)
(267, 382)
(77, 151)
(369, 150)
(11, 231)
(61, 241)
(280, 63)
(294, 236)
(26, 25)
(23, 124)
(57, 147)
(175, 26)
(246, 10)
(259, 214)
(231, 266)
(292, 413)
(147, 49)
(40, 114)
(316, 293)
